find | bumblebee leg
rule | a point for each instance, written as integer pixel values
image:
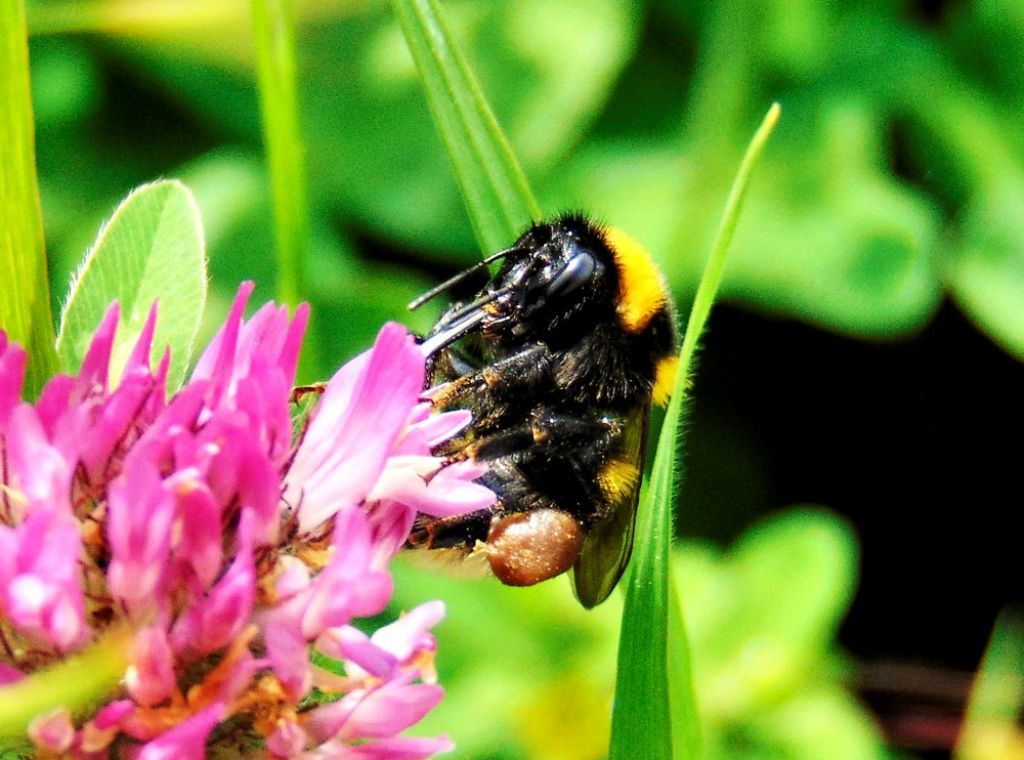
(512, 374)
(547, 436)
(450, 532)
(495, 446)
(450, 363)
(567, 430)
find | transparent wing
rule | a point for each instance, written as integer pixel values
(609, 542)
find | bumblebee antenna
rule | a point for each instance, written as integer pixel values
(453, 281)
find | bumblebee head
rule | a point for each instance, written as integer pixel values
(559, 279)
(558, 273)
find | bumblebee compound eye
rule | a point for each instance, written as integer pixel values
(578, 271)
(529, 547)
(551, 290)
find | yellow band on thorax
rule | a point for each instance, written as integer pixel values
(642, 290)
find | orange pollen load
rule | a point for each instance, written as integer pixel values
(529, 547)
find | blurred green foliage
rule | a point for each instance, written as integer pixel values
(529, 674)
(992, 728)
(896, 176)
(895, 180)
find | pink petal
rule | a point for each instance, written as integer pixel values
(9, 675)
(402, 473)
(186, 741)
(8, 555)
(117, 415)
(438, 428)
(338, 596)
(354, 426)
(287, 739)
(43, 596)
(356, 648)
(150, 678)
(348, 586)
(271, 334)
(52, 731)
(174, 425)
(289, 357)
(293, 578)
(96, 364)
(420, 412)
(213, 622)
(139, 357)
(287, 649)
(381, 712)
(259, 493)
(99, 733)
(39, 470)
(448, 494)
(113, 713)
(200, 543)
(451, 491)
(139, 519)
(250, 366)
(392, 708)
(390, 523)
(54, 403)
(411, 632)
(216, 361)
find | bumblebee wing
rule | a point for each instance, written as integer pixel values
(609, 542)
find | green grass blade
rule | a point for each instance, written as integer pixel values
(493, 184)
(151, 249)
(655, 713)
(24, 290)
(76, 683)
(992, 723)
(685, 720)
(273, 22)
(642, 711)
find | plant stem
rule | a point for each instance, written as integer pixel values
(275, 52)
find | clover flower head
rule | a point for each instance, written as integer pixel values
(230, 541)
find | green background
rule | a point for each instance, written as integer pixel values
(892, 189)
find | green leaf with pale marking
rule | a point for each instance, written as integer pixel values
(655, 713)
(493, 185)
(150, 251)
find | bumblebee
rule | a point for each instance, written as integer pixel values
(559, 358)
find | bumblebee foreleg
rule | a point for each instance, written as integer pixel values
(512, 374)
(548, 435)
(459, 531)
